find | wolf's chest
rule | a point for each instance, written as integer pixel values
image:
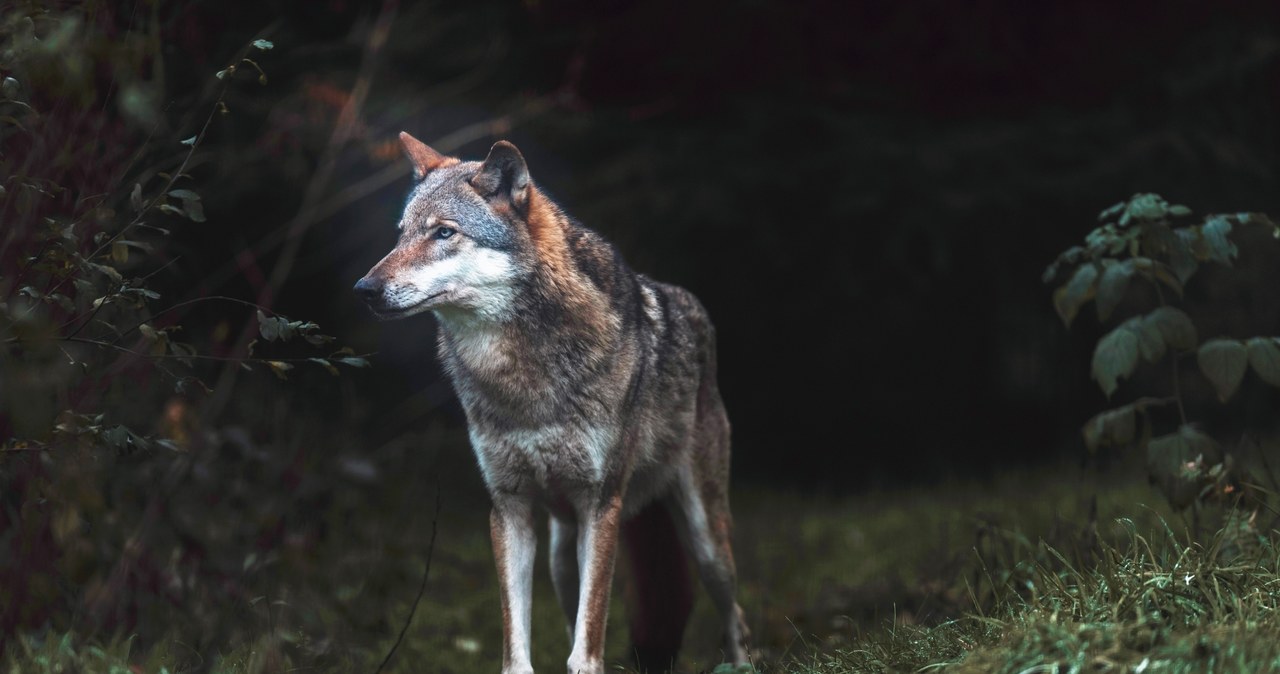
(550, 460)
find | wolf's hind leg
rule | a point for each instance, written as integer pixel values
(660, 596)
(709, 528)
(564, 568)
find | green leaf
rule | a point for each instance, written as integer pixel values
(268, 327)
(1264, 356)
(1157, 271)
(276, 328)
(194, 210)
(1113, 428)
(325, 364)
(1175, 326)
(264, 45)
(1115, 358)
(353, 361)
(1112, 211)
(1072, 255)
(119, 252)
(185, 195)
(191, 206)
(1182, 257)
(1179, 211)
(1075, 293)
(1157, 239)
(1112, 285)
(1223, 362)
(1147, 207)
(279, 368)
(117, 437)
(1220, 248)
(190, 141)
(108, 270)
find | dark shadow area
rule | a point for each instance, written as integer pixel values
(864, 196)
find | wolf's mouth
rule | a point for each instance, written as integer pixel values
(407, 311)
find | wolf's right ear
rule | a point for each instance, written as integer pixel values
(424, 158)
(504, 175)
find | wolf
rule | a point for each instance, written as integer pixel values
(589, 391)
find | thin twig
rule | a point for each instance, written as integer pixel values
(179, 305)
(173, 178)
(431, 546)
(366, 186)
(98, 308)
(343, 129)
(194, 356)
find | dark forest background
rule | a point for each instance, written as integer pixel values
(863, 194)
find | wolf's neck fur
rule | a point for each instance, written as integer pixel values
(559, 326)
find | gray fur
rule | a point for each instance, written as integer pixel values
(589, 389)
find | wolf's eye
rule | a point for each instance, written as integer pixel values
(443, 232)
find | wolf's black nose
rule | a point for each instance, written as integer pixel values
(368, 289)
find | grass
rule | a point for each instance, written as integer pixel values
(1023, 573)
(1152, 603)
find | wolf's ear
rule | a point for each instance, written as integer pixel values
(424, 158)
(504, 175)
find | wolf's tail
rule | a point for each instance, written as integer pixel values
(660, 597)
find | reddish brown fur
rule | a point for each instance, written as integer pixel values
(606, 544)
(600, 397)
(500, 558)
(423, 157)
(546, 230)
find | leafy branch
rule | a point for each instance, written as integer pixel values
(1146, 237)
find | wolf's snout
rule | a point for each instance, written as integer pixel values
(368, 289)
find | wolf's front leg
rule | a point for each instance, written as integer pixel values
(597, 545)
(514, 546)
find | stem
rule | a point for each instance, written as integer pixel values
(103, 304)
(1177, 392)
(426, 572)
(173, 178)
(195, 356)
(1177, 385)
(344, 129)
(196, 300)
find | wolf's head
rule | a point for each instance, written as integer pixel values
(465, 238)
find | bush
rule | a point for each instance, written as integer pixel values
(110, 448)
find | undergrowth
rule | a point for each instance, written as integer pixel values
(1001, 575)
(1152, 603)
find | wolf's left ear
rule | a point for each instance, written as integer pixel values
(424, 158)
(504, 175)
